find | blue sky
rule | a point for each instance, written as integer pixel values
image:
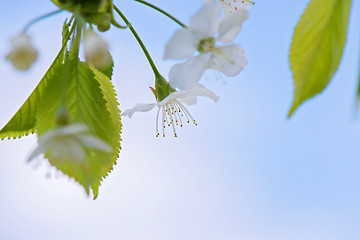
(245, 172)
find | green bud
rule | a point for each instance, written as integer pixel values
(103, 27)
(62, 117)
(86, 6)
(162, 88)
(102, 20)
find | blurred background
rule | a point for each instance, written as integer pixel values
(245, 172)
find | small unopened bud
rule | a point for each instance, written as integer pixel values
(62, 117)
(101, 20)
(104, 26)
(96, 50)
(22, 53)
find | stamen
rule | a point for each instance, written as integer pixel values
(164, 120)
(172, 114)
(253, 3)
(172, 120)
(157, 121)
(178, 113)
(186, 111)
(234, 5)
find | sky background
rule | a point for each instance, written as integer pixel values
(245, 172)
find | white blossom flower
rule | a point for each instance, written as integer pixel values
(232, 6)
(67, 143)
(204, 25)
(96, 49)
(173, 112)
(22, 53)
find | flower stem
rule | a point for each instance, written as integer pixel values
(26, 28)
(162, 11)
(151, 62)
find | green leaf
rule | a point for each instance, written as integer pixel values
(317, 47)
(88, 100)
(112, 106)
(23, 122)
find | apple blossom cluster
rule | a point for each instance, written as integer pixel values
(74, 109)
(199, 45)
(206, 43)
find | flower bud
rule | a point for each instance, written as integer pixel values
(96, 50)
(101, 20)
(62, 117)
(22, 53)
(86, 6)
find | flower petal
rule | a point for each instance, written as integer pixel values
(69, 150)
(96, 49)
(188, 101)
(232, 6)
(41, 148)
(182, 45)
(228, 59)
(231, 25)
(201, 91)
(141, 107)
(185, 75)
(94, 143)
(72, 129)
(206, 21)
(185, 96)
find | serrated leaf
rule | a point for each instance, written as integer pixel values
(317, 47)
(24, 120)
(112, 106)
(75, 87)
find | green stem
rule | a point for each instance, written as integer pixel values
(152, 64)
(162, 11)
(26, 28)
(75, 44)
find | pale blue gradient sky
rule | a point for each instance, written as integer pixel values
(245, 172)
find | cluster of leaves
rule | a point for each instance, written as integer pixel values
(88, 96)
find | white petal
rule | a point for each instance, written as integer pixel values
(188, 101)
(75, 152)
(201, 91)
(232, 6)
(228, 59)
(182, 45)
(72, 129)
(96, 49)
(41, 148)
(231, 25)
(68, 149)
(94, 143)
(206, 21)
(186, 75)
(141, 107)
(48, 136)
(187, 95)
(54, 134)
